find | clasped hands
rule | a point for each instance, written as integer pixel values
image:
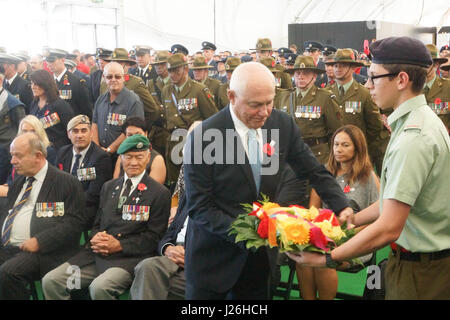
(175, 254)
(105, 244)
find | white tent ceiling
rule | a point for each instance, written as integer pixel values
(231, 24)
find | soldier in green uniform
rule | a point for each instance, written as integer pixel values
(436, 89)
(356, 105)
(315, 110)
(264, 49)
(151, 109)
(270, 63)
(158, 135)
(230, 65)
(185, 101)
(201, 69)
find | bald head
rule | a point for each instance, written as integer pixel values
(251, 94)
(114, 77)
(28, 154)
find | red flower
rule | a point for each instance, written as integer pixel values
(437, 101)
(326, 214)
(268, 149)
(317, 238)
(347, 189)
(127, 77)
(323, 85)
(295, 205)
(66, 82)
(263, 228)
(46, 113)
(273, 63)
(60, 166)
(141, 187)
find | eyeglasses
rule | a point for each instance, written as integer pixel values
(371, 78)
(116, 76)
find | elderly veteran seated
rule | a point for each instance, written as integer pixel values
(132, 218)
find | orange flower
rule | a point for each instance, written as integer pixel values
(297, 233)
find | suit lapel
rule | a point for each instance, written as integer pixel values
(87, 157)
(47, 186)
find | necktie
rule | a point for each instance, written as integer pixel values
(341, 92)
(6, 84)
(15, 210)
(125, 193)
(76, 164)
(253, 156)
(141, 72)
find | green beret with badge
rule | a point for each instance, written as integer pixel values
(134, 143)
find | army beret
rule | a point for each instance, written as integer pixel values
(53, 54)
(208, 46)
(178, 48)
(80, 119)
(446, 47)
(176, 60)
(310, 45)
(8, 58)
(136, 142)
(283, 50)
(400, 50)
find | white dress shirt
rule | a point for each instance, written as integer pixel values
(134, 180)
(20, 230)
(58, 78)
(83, 154)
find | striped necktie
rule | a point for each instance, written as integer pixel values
(14, 211)
(76, 165)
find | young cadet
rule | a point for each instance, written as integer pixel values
(412, 212)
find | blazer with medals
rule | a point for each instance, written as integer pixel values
(215, 192)
(139, 239)
(21, 89)
(75, 91)
(98, 169)
(438, 99)
(58, 235)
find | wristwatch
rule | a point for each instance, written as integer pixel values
(330, 263)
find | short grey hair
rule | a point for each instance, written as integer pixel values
(35, 143)
(243, 73)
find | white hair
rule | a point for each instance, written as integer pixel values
(247, 72)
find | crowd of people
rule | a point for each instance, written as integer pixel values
(99, 147)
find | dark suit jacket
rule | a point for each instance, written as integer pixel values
(95, 158)
(170, 237)
(58, 237)
(22, 90)
(80, 101)
(215, 192)
(96, 79)
(139, 240)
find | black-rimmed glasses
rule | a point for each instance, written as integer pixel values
(371, 78)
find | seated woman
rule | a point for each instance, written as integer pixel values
(49, 108)
(156, 168)
(350, 164)
(31, 124)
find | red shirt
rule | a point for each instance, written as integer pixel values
(83, 68)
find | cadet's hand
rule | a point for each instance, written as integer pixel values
(308, 259)
(347, 215)
(176, 254)
(31, 245)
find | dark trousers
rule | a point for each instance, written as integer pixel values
(252, 284)
(17, 269)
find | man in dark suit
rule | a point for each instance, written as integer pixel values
(42, 227)
(162, 277)
(144, 68)
(86, 161)
(132, 218)
(215, 266)
(71, 88)
(97, 75)
(16, 85)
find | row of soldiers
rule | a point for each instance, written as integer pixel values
(176, 94)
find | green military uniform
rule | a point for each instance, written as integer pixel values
(158, 135)
(284, 80)
(315, 111)
(222, 98)
(437, 90)
(269, 62)
(357, 108)
(415, 172)
(152, 112)
(212, 84)
(194, 102)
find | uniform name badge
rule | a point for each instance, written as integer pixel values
(86, 174)
(49, 209)
(50, 120)
(135, 213)
(353, 107)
